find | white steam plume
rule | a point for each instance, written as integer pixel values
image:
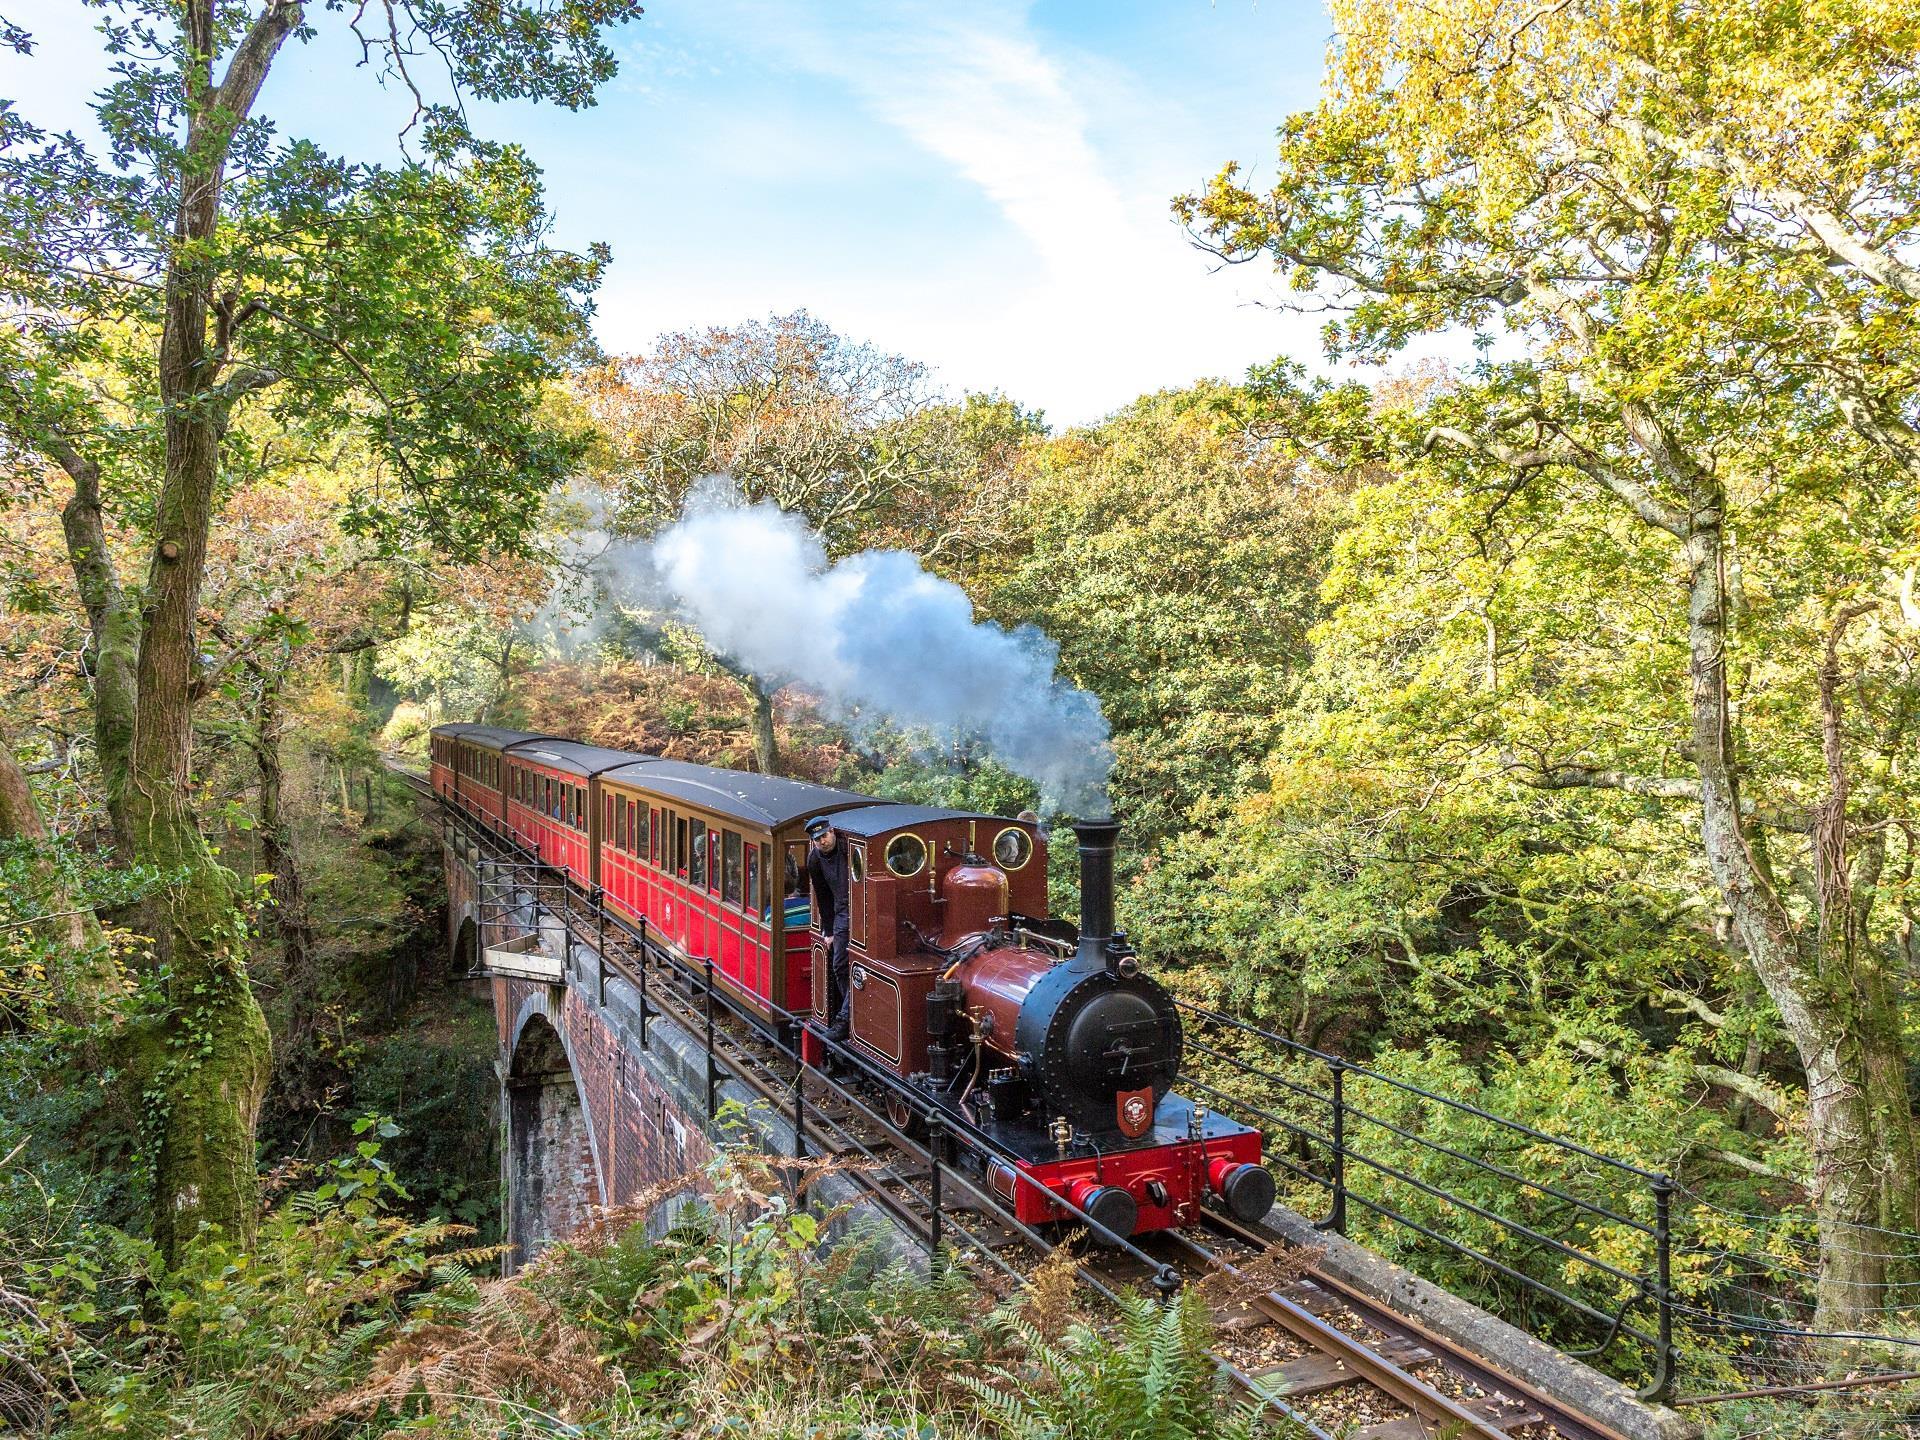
(875, 636)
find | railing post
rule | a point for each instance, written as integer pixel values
(600, 950)
(710, 1070)
(799, 1105)
(1661, 1385)
(646, 1006)
(936, 1137)
(1336, 1220)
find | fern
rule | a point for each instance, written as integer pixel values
(1152, 1380)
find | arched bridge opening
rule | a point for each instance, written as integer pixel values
(551, 1176)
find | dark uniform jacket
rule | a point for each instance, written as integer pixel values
(827, 874)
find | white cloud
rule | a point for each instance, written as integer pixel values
(1109, 298)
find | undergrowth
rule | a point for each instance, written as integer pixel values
(708, 1307)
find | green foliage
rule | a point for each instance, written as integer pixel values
(441, 1091)
(333, 276)
(1174, 559)
(1153, 1379)
(231, 1341)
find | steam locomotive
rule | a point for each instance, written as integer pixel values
(1040, 1041)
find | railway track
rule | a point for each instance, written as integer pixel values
(1321, 1354)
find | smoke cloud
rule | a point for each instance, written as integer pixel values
(877, 638)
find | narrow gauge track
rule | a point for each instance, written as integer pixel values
(1419, 1385)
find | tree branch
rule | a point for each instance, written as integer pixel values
(1828, 227)
(1694, 1004)
(1637, 497)
(1757, 1091)
(1664, 787)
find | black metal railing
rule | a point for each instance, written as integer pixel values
(1382, 1146)
(1580, 1243)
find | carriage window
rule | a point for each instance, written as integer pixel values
(679, 846)
(730, 862)
(713, 861)
(753, 879)
(579, 808)
(653, 835)
(616, 823)
(766, 877)
(796, 870)
(697, 865)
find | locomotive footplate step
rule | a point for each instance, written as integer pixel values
(1499, 1412)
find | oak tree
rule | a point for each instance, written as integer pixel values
(199, 263)
(1698, 224)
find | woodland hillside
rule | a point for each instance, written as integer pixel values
(1539, 729)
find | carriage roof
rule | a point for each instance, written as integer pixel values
(766, 800)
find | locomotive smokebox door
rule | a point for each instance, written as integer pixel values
(1133, 1112)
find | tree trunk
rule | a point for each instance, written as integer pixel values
(206, 1066)
(113, 623)
(766, 752)
(1842, 1024)
(291, 918)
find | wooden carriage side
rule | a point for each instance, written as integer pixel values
(702, 855)
(468, 763)
(551, 800)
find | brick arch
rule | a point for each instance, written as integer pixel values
(465, 957)
(552, 1151)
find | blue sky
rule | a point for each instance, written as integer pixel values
(983, 187)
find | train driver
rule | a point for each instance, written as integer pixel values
(827, 872)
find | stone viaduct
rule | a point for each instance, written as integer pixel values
(598, 1107)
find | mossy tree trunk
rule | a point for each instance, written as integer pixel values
(292, 921)
(201, 1068)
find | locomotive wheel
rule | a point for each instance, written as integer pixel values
(904, 1118)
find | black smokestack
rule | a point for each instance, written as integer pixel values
(1097, 839)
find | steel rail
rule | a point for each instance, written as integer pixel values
(1391, 1379)
(1563, 1418)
